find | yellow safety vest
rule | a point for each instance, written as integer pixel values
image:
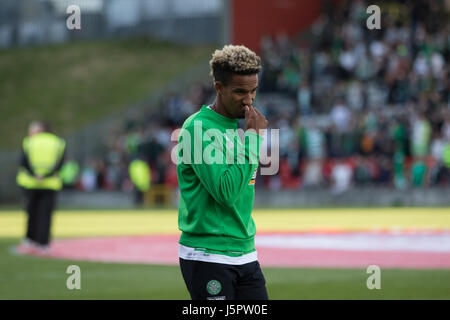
(140, 174)
(44, 150)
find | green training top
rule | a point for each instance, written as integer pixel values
(216, 175)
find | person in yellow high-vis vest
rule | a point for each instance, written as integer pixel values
(42, 157)
(140, 175)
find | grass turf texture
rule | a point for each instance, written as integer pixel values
(24, 277)
(74, 84)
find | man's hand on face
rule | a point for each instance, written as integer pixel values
(254, 119)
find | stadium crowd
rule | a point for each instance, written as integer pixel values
(354, 106)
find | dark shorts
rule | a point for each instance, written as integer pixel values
(217, 281)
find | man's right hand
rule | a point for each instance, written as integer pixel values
(254, 119)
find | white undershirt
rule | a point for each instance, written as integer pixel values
(189, 253)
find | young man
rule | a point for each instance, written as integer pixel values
(216, 174)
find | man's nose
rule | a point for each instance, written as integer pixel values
(248, 100)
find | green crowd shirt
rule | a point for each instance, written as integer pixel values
(216, 173)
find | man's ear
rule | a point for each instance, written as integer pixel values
(219, 87)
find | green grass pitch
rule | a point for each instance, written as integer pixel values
(23, 277)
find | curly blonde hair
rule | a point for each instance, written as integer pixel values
(233, 60)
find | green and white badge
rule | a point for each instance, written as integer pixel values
(213, 287)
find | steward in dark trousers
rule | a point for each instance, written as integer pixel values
(42, 158)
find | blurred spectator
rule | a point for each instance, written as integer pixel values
(362, 174)
(140, 176)
(399, 171)
(418, 173)
(341, 176)
(69, 173)
(89, 178)
(420, 139)
(340, 115)
(313, 174)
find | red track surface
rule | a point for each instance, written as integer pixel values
(163, 249)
